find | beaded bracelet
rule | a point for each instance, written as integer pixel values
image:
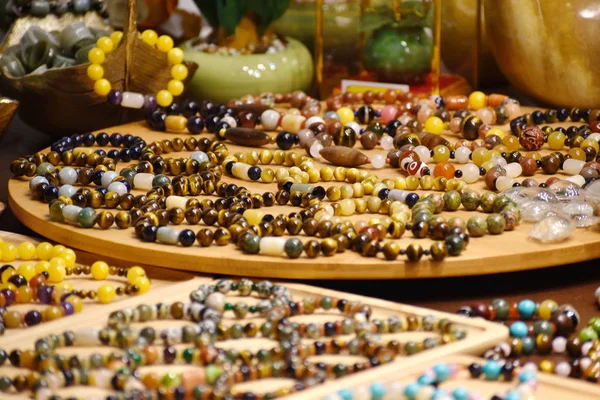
(164, 98)
(427, 385)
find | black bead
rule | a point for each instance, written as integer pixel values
(319, 348)
(211, 123)
(320, 192)
(287, 186)
(585, 114)
(392, 126)
(383, 194)
(458, 173)
(285, 140)
(115, 139)
(221, 125)
(538, 117)
(18, 280)
(507, 371)
(475, 370)
(482, 171)
(15, 358)
(88, 139)
(189, 108)
(562, 114)
(411, 199)
(254, 173)
(50, 193)
(187, 237)
(341, 304)
(114, 154)
(149, 233)
(229, 166)
(156, 120)
(329, 329)
(195, 125)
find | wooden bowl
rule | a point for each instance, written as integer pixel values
(548, 49)
(8, 108)
(62, 101)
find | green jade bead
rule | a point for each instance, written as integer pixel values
(452, 200)
(500, 202)
(502, 308)
(171, 380)
(477, 226)
(56, 211)
(87, 217)
(470, 200)
(60, 61)
(487, 201)
(302, 188)
(160, 180)
(496, 224)
(44, 168)
(293, 248)
(587, 334)
(250, 244)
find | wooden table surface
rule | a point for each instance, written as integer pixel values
(573, 284)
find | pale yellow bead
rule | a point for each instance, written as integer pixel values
(294, 170)
(386, 222)
(347, 207)
(412, 182)
(266, 157)
(362, 175)
(397, 207)
(389, 183)
(400, 183)
(351, 175)
(304, 177)
(281, 174)
(278, 157)
(373, 204)
(426, 182)
(326, 174)
(368, 187)
(360, 205)
(347, 191)
(322, 215)
(400, 218)
(253, 216)
(267, 175)
(358, 189)
(339, 173)
(378, 186)
(453, 184)
(313, 175)
(374, 221)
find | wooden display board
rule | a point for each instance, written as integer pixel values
(481, 334)
(511, 251)
(550, 387)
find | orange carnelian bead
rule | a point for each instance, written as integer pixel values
(444, 169)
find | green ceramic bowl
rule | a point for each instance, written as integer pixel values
(221, 78)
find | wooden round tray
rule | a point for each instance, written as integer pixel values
(511, 251)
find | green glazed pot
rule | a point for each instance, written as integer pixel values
(221, 78)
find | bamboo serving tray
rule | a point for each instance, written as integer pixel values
(169, 286)
(511, 251)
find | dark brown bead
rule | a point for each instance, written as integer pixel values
(324, 228)
(222, 236)
(492, 175)
(439, 231)
(193, 216)
(439, 251)
(294, 226)
(391, 250)
(481, 310)
(420, 229)
(204, 237)
(370, 248)
(369, 140)
(177, 310)
(550, 164)
(312, 248)
(310, 227)
(414, 252)
(105, 219)
(329, 246)
(528, 165)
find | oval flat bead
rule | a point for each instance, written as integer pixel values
(272, 246)
(247, 136)
(344, 156)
